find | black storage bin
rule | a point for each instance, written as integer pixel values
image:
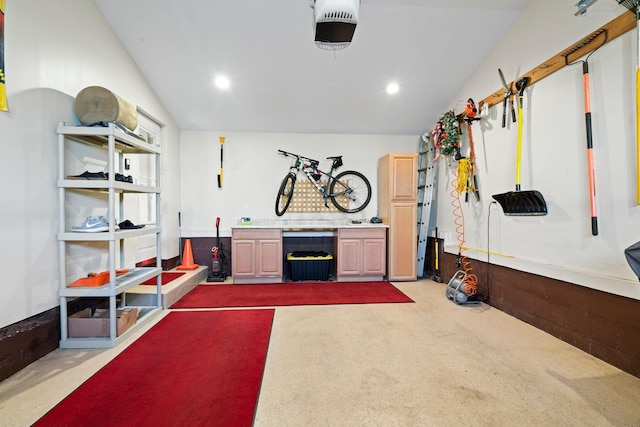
(309, 265)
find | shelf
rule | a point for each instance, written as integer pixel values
(145, 316)
(105, 236)
(99, 135)
(123, 283)
(116, 143)
(105, 185)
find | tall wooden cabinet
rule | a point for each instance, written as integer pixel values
(398, 207)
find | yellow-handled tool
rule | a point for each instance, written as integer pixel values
(638, 121)
(634, 6)
(529, 202)
(221, 157)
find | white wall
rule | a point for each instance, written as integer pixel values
(52, 51)
(559, 245)
(253, 171)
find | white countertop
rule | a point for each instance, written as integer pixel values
(306, 225)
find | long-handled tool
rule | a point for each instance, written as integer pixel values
(519, 202)
(221, 156)
(587, 115)
(634, 6)
(179, 239)
(508, 96)
(470, 115)
(436, 257)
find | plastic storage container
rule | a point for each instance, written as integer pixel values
(309, 265)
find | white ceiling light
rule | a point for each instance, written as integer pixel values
(335, 22)
(222, 82)
(392, 88)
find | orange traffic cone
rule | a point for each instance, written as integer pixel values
(187, 258)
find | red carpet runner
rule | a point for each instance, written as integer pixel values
(191, 369)
(166, 277)
(294, 293)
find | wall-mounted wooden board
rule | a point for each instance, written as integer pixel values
(614, 29)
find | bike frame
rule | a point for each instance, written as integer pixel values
(310, 169)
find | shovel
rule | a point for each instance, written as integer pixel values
(522, 203)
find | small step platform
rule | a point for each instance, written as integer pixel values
(143, 295)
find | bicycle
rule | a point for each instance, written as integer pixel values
(349, 191)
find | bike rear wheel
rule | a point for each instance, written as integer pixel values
(285, 194)
(350, 191)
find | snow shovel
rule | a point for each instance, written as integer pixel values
(522, 203)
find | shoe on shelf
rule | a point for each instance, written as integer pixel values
(92, 225)
(128, 225)
(120, 177)
(89, 175)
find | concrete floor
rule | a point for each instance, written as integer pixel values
(431, 363)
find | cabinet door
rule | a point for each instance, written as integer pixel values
(269, 258)
(244, 259)
(349, 257)
(374, 257)
(403, 250)
(404, 177)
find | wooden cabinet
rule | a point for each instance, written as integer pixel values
(256, 255)
(398, 207)
(361, 254)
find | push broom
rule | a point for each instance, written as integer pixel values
(521, 202)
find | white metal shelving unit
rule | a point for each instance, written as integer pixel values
(116, 142)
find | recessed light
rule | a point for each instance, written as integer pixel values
(222, 82)
(392, 88)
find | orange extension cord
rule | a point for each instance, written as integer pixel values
(471, 280)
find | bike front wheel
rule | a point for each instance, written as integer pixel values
(285, 194)
(350, 191)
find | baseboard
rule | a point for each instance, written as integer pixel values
(602, 324)
(24, 342)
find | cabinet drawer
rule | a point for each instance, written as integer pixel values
(362, 233)
(256, 233)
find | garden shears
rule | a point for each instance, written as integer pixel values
(508, 97)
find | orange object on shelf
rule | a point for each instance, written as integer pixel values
(95, 279)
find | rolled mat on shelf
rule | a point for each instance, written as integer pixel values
(95, 104)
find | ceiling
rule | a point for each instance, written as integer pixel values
(281, 82)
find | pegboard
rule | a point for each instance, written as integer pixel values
(307, 199)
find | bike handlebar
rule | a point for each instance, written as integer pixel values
(297, 156)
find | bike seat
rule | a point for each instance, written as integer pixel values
(337, 161)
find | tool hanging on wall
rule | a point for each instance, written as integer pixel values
(530, 202)
(221, 157)
(600, 34)
(470, 113)
(634, 6)
(508, 99)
